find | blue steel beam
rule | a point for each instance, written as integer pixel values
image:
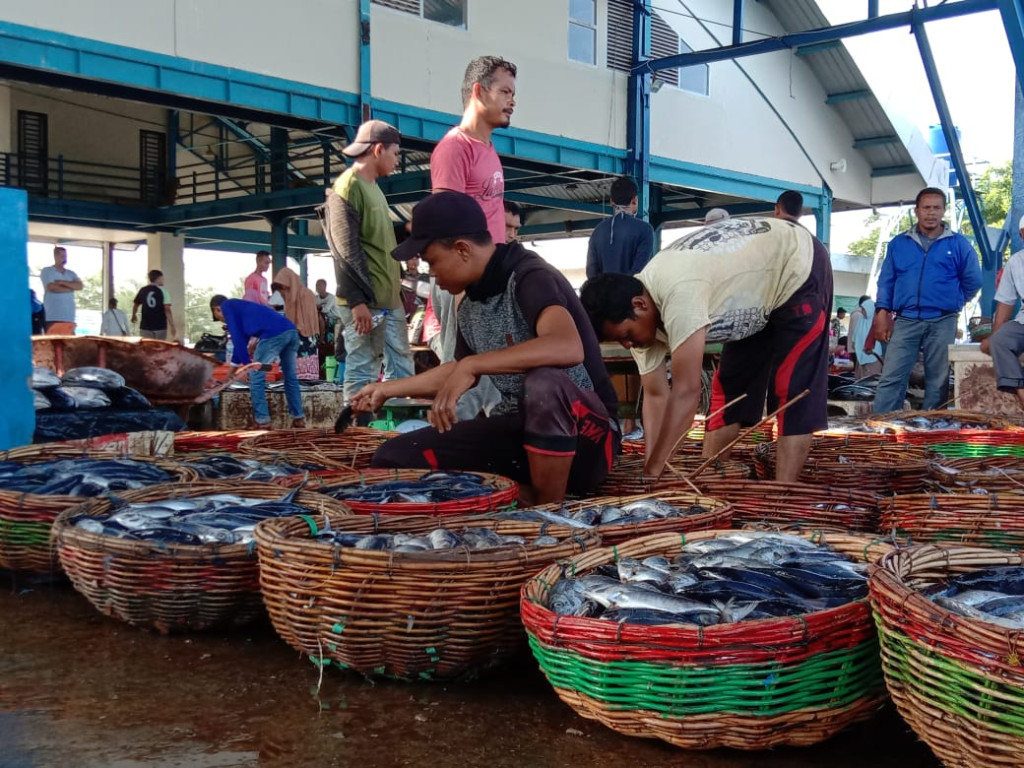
(261, 150)
(893, 170)
(947, 10)
(211, 237)
(562, 205)
(989, 259)
(812, 48)
(638, 113)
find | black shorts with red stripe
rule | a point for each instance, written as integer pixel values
(782, 360)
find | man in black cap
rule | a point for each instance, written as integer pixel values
(522, 324)
(369, 282)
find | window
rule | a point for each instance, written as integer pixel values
(664, 41)
(449, 12)
(693, 79)
(33, 148)
(583, 31)
(152, 162)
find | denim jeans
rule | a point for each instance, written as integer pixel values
(284, 346)
(397, 355)
(908, 338)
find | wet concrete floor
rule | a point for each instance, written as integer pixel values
(79, 690)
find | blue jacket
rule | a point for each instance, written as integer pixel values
(622, 243)
(247, 319)
(923, 286)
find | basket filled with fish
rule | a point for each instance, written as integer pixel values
(177, 557)
(951, 621)
(620, 518)
(37, 483)
(211, 441)
(351, 449)
(815, 506)
(840, 463)
(218, 466)
(413, 491)
(981, 520)
(927, 427)
(414, 598)
(992, 474)
(695, 437)
(627, 478)
(740, 639)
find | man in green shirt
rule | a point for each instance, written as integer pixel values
(369, 280)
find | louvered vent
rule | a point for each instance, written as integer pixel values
(664, 41)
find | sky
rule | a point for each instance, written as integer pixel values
(973, 59)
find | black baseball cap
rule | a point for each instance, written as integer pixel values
(440, 216)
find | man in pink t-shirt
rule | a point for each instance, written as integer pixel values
(465, 159)
(256, 288)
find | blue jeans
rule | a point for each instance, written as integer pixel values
(284, 346)
(387, 344)
(908, 338)
(397, 355)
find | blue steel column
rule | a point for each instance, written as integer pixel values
(737, 22)
(278, 182)
(824, 218)
(1013, 20)
(365, 96)
(17, 416)
(638, 126)
(989, 260)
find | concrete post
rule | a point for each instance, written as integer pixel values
(166, 253)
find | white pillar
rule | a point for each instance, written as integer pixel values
(167, 253)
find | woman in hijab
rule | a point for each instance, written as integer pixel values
(869, 360)
(300, 308)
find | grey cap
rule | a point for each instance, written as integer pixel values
(372, 132)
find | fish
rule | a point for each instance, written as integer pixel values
(633, 570)
(651, 508)
(93, 376)
(442, 538)
(44, 378)
(86, 397)
(567, 598)
(40, 401)
(544, 541)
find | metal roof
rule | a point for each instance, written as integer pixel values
(849, 93)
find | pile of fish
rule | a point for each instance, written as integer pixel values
(431, 488)
(85, 387)
(220, 518)
(80, 477)
(925, 424)
(738, 576)
(995, 595)
(437, 539)
(639, 511)
(224, 465)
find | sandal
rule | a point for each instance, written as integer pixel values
(298, 423)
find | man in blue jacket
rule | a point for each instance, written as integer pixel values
(929, 273)
(276, 337)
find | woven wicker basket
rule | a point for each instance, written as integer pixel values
(858, 464)
(428, 615)
(958, 682)
(993, 474)
(718, 516)
(783, 504)
(991, 520)
(210, 442)
(974, 421)
(26, 518)
(746, 685)
(170, 587)
(504, 494)
(352, 449)
(626, 478)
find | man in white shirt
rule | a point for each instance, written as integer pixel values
(1007, 340)
(115, 321)
(59, 286)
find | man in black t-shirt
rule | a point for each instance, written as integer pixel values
(523, 326)
(156, 309)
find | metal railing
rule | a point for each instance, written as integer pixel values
(202, 181)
